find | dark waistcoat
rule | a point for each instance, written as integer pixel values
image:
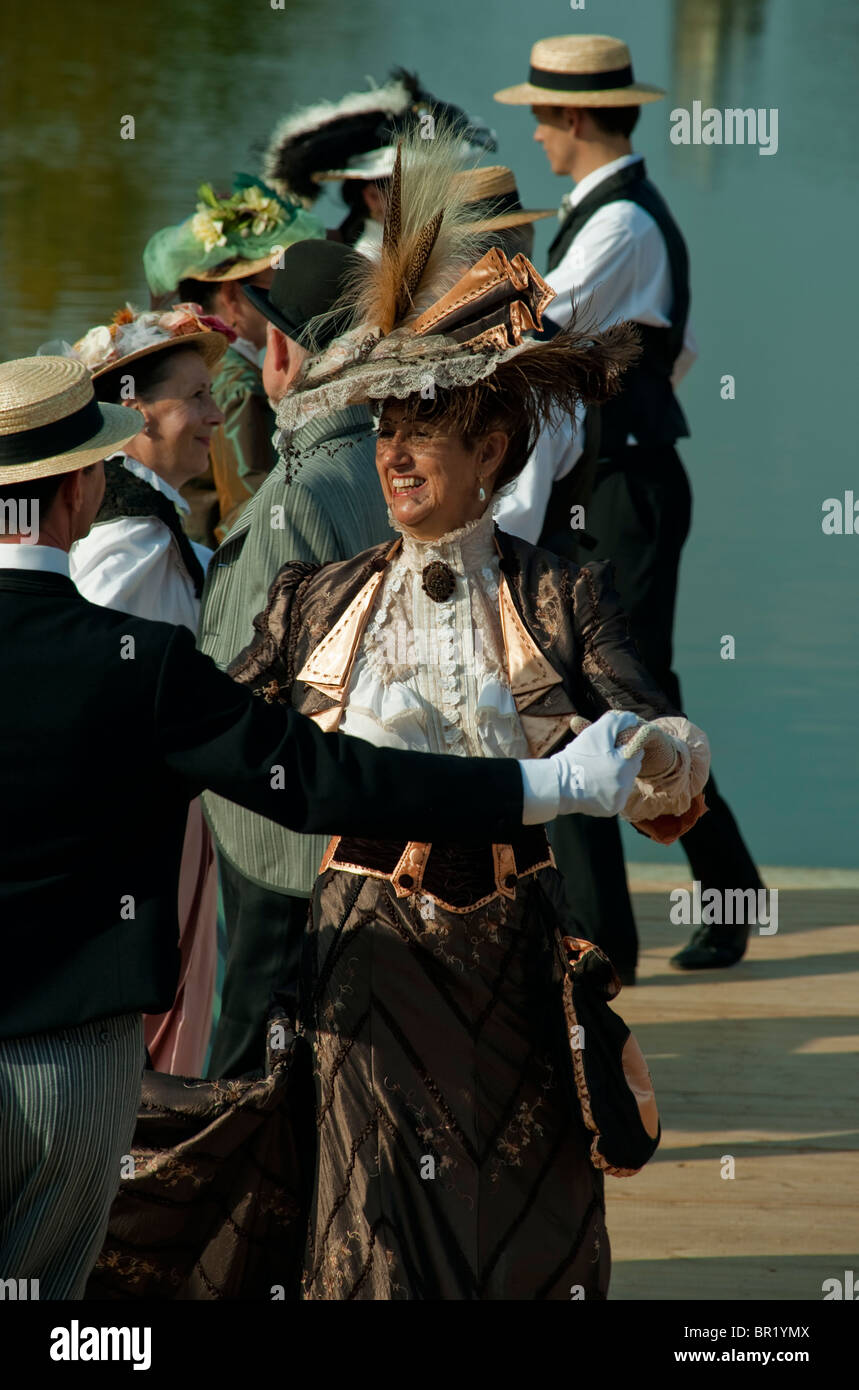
(646, 407)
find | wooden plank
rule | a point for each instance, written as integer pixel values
(756, 1063)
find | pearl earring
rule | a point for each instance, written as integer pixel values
(481, 495)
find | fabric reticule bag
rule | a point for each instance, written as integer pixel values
(613, 1084)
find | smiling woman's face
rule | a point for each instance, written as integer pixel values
(180, 418)
(430, 479)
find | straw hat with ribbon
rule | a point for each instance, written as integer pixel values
(51, 422)
(492, 192)
(132, 335)
(580, 70)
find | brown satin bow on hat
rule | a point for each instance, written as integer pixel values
(494, 304)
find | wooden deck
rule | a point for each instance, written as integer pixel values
(758, 1062)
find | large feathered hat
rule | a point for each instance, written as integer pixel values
(439, 321)
(356, 136)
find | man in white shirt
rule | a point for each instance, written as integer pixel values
(619, 254)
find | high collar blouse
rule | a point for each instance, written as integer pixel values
(430, 675)
(133, 562)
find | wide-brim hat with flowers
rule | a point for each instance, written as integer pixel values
(228, 238)
(580, 70)
(132, 335)
(51, 422)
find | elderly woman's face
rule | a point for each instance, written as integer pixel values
(180, 418)
(430, 480)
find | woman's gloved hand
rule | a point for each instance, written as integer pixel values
(667, 799)
(591, 775)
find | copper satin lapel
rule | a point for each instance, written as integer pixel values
(532, 678)
(328, 669)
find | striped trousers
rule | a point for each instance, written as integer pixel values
(68, 1105)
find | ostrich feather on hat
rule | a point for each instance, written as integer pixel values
(305, 145)
(438, 309)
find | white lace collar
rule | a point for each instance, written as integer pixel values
(465, 550)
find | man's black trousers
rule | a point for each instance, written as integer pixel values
(265, 933)
(640, 512)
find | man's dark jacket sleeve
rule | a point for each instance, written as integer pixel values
(213, 734)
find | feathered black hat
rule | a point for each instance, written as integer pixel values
(329, 134)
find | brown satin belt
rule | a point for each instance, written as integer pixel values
(458, 879)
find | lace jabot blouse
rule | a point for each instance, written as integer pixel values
(432, 676)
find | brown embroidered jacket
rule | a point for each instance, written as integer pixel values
(567, 641)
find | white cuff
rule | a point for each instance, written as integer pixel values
(541, 790)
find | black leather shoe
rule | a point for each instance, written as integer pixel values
(712, 948)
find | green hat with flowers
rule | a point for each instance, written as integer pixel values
(227, 238)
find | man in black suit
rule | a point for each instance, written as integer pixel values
(110, 726)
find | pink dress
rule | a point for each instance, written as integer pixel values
(178, 1040)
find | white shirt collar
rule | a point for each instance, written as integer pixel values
(370, 241)
(248, 350)
(590, 181)
(149, 476)
(46, 558)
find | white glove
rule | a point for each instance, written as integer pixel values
(590, 775)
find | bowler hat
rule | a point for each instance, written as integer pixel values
(309, 284)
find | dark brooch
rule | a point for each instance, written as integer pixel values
(439, 581)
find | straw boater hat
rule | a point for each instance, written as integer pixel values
(493, 192)
(132, 335)
(492, 188)
(51, 422)
(580, 70)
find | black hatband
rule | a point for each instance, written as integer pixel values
(498, 206)
(58, 437)
(580, 81)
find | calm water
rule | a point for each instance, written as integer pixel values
(772, 241)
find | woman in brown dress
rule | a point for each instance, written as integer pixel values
(453, 1158)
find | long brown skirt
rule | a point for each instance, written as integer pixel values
(452, 1161)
